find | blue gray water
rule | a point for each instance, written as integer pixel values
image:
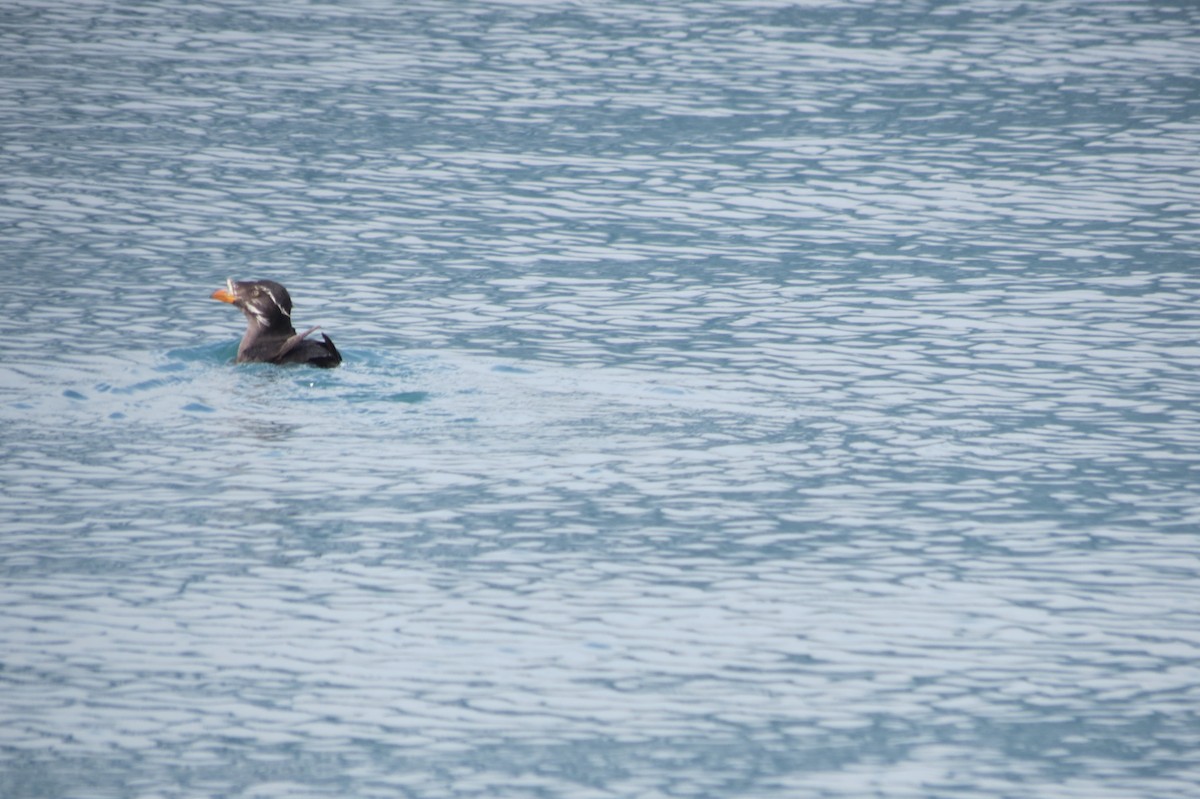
(741, 399)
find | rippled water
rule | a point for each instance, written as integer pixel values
(741, 399)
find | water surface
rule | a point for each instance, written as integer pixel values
(741, 399)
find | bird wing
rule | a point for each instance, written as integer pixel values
(292, 343)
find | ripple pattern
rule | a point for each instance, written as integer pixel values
(741, 398)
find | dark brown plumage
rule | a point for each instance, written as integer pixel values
(270, 337)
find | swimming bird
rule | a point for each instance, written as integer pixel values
(270, 337)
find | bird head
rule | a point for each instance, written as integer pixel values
(264, 302)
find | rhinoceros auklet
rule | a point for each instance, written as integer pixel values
(270, 337)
